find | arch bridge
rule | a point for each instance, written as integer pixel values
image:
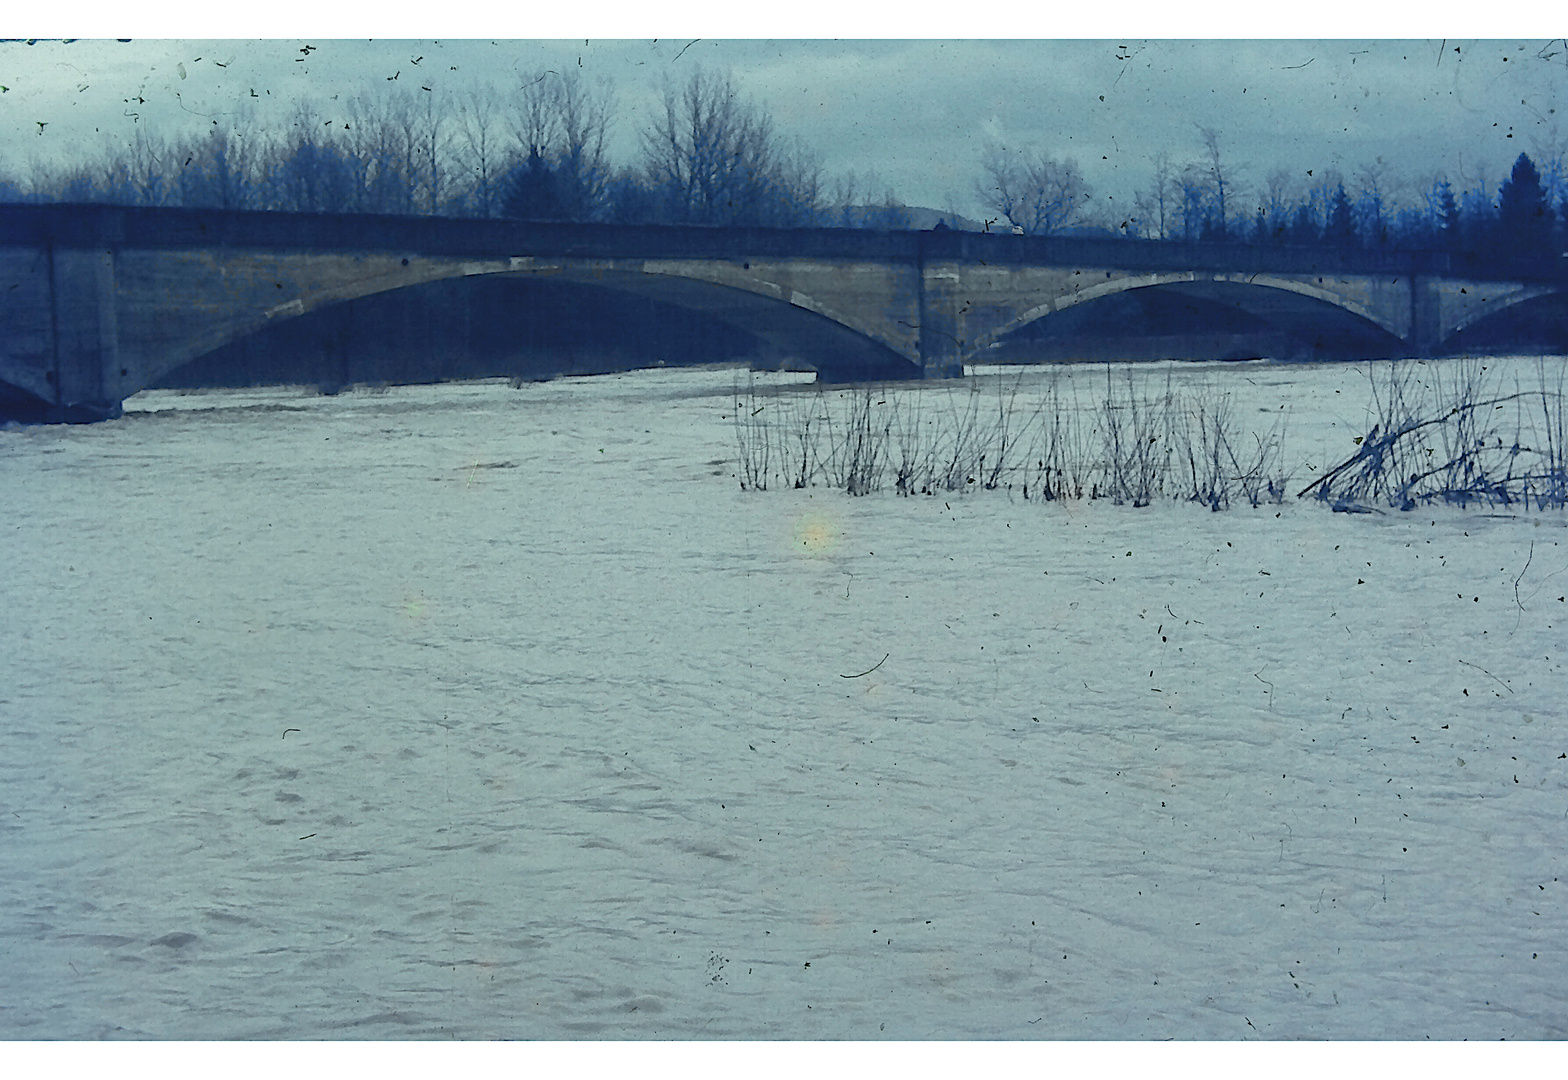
(99, 302)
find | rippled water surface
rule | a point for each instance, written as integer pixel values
(478, 712)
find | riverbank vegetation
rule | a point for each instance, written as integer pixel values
(1445, 435)
(1458, 438)
(1132, 441)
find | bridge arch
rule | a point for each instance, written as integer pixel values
(1474, 314)
(1258, 294)
(789, 324)
(1529, 319)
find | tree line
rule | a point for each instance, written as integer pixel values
(1202, 200)
(708, 157)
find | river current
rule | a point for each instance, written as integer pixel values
(473, 711)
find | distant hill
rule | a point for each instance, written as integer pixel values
(923, 217)
(1097, 232)
(920, 217)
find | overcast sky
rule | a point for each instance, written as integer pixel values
(915, 114)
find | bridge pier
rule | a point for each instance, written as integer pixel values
(941, 350)
(1426, 329)
(84, 335)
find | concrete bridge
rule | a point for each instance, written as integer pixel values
(97, 303)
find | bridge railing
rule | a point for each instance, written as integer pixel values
(95, 225)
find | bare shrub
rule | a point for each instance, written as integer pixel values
(1217, 468)
(1455, 440)
(959, 458)
(1059, 463)
(1437, 434)
(1126, 448)
(804, 436)
(753, 435)
(1207, 450)
(1137, 441)
(1550, 488)
(916, 456)
(858, 443)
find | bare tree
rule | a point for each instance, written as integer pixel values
(1194, 200)
(433, 138)
(562, 124)
(146, 164)
(1160, 196)
(312, 171)
(1371, 203)
(1036, 193)
(853, 206)
(844, 200)
(370, 145)
(582, 169)
(1477, 203)
(405, 130)
(797, 185)
(1320, 194)
(713, 160)
(694, 151)
(1277, 197)
(1153, 206)
(217, 171)
(1553, 176)
(1218, 180)
(1548, 148)
(484, 150)
(390, 144)
(536, 121)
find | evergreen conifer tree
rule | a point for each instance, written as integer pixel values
(1524, 221)
(1448, 217)
(1341, 231)
(534, 194)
